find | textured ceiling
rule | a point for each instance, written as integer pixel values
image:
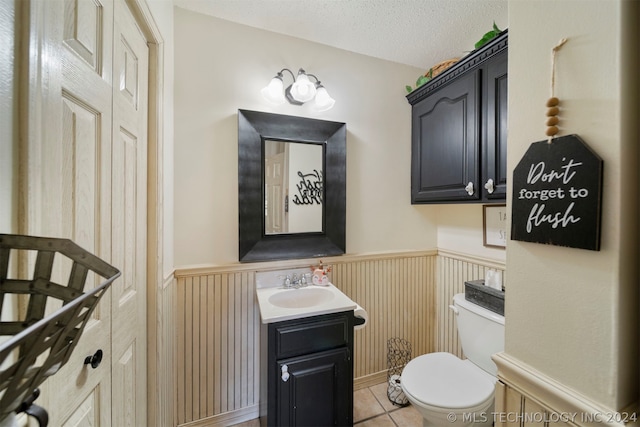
(413, 32)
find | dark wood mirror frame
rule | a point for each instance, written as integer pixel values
(253, 128)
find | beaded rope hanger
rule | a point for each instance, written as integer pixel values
(553, 102)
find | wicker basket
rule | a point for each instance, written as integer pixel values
(53, 336)
(440, 67)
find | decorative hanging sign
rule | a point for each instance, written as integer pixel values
(557, 187)
(557, 194)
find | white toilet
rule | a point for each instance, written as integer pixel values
(449, 391)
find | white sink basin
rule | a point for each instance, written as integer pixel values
(301, 298)
(278, 304)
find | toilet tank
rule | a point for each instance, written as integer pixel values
(481, 332)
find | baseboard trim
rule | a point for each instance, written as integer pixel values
(555, 396)
(370, 380)
(227, 418)
(252, 412)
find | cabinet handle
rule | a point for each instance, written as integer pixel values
(469, 188)
(285, 373)
(489, 186)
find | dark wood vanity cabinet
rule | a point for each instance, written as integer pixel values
(459, 130)
(307, 371)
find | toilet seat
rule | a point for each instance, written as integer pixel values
(442, 380)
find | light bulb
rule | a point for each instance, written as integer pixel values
(303, 89)
(273, 91)
(323, 101)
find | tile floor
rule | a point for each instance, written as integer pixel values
(372, 408)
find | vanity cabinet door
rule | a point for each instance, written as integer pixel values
(445, 144)
(317, 391)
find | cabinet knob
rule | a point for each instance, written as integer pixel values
(285, 373)
(469, 188)
(489, 186)
(94, 360)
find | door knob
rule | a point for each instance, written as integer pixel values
(489, 186)
(469, 188)
(94, 360)
(285, 373)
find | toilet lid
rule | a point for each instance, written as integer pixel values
(443, 380)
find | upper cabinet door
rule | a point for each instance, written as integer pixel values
(445, 143)
(459, 130)
(495, 129)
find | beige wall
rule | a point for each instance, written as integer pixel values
(220, 68)
(162, 11)
(571, 312)
(460, 230)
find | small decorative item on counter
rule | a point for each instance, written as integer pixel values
(320, 277)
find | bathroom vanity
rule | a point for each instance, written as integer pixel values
(307, 371)
(306, 360)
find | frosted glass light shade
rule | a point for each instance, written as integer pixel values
(323, 101)
(303, 89)
(273, 92)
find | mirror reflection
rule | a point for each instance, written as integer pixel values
(294, 187)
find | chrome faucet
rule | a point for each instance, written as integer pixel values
(295, 281)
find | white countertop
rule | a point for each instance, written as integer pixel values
(271, 313)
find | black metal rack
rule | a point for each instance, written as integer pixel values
(39, 344)
(398, 355)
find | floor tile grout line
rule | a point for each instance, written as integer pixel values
(395, 407)
(386, 412)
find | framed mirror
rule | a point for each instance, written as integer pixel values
(291, 187)
(294, 184)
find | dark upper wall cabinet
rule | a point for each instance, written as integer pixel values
(459, 130)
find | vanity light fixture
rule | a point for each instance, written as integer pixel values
(302, 90)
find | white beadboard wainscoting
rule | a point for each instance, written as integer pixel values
(526, 396)
(453, 270)
(406, 295)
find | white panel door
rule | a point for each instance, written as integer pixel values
(275, 181)
(86, 175)
(69, 176)
(129, 219)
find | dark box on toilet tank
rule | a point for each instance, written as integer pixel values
(484, 296)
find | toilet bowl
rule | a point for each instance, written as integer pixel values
(449, 391)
